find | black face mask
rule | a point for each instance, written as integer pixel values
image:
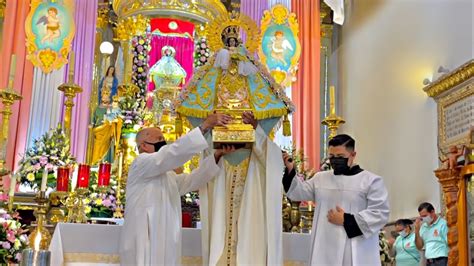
(339, 164)
(157, 145)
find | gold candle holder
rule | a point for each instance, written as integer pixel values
(118, 213)
(332, 121)
(76, 207)
(57, 213)
(40, 234)
(8, 97)
(70, 90)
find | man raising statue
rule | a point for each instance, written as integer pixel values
(240, 207)
(151, 234)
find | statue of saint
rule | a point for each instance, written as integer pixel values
(109, 81)
(167, 72)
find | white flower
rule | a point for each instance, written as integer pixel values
(23, 239)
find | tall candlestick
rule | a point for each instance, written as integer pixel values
(71, 66)
(11, 193)
(332, 100)
(12, 67)
(120, 165)
(44, 180)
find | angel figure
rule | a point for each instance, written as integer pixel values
(52, 23)
(279, 45)
(451, 160)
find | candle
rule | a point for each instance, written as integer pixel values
(62, 180)
(44, 180)
(104, 174)
(83, 176)
(71, 66)
(332, 100)
(12, 67)
(11, 192)
(74, 179)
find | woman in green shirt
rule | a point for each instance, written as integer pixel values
(406, 253)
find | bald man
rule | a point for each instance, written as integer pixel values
(151, 234)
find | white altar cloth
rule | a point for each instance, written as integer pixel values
(95, 244)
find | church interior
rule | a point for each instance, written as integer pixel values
(81, 78)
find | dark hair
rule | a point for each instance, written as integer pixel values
(426, 206)
(343, 140)
(236, 41)
(404, 222)
(107, 72)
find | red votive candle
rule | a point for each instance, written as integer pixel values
(83, 176)
(104, 174)
(62, 180)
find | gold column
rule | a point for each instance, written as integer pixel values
(70, 90)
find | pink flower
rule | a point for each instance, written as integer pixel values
(107, 203)
(18, 256)
(11, 236)
(6, 245)
(37, 166)
(43, 160)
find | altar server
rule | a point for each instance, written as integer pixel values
(351, 207)
(151, 234)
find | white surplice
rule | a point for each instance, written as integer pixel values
(259, 221)
(151, 234)
(363, 195)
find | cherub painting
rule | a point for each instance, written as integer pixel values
(280, 45)
(49, 29)
(52, 23)
(280, 48)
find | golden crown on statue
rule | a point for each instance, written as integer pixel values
(230, 32)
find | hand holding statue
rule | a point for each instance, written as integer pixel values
(215, 119)
(226, 149)
(248, 118)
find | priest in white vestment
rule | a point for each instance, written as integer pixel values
(241, 207)
(151, 234)
(351, 207)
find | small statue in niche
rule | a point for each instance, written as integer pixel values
(167, 72)
(451, 160)
(108, 81)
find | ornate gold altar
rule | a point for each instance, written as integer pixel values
(454, 94)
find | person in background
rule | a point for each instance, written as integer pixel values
(431, 234)
(404, 247)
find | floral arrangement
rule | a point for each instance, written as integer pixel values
(201, 52)
(49, 151)
(141, 47)
(102, 204)
(132, 113)
(12, 238)
(384, 248)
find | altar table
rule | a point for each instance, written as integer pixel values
(95, 244)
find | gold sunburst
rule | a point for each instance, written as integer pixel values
(215, 28)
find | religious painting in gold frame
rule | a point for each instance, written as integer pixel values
(280, 48)
(454, 94)
(50, 29)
